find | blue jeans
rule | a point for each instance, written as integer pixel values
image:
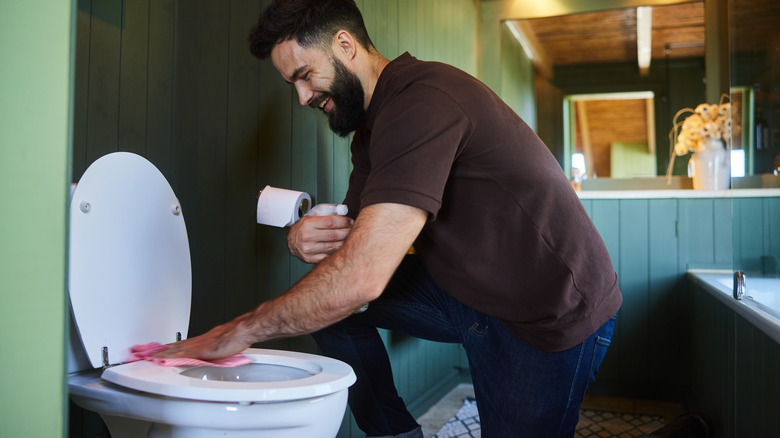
(520, 391)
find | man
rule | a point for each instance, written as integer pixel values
(508, 264)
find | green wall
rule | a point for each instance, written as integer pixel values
(517, 78)
(35, 85)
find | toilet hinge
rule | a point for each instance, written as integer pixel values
(105, 357)
(178, 336)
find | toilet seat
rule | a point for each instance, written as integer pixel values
(324, 376)
(130, 278)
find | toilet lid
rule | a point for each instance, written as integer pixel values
(130, 276)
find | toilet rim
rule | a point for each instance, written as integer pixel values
(333, 376)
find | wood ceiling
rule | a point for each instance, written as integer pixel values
(610, 36)
(678, 32)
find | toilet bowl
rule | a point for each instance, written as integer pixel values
(129, 284)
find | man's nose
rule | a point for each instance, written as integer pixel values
(304, 94)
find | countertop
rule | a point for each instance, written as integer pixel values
(670, 194)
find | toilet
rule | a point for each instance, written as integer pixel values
(129, 284)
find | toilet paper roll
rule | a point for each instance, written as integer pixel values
(281, 207)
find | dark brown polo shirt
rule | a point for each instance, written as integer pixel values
(506, 234)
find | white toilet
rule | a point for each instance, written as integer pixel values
(129, 284)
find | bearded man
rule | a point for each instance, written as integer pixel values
(506, 263)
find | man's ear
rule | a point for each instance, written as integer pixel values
(344, 44)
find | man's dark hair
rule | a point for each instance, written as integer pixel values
(309, 22)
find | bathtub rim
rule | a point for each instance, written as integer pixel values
(708, 280)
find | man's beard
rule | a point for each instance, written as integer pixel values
(347, 95)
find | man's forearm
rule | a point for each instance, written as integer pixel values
(346, 280)
(340, 284)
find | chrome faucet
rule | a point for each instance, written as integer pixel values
(739, 285)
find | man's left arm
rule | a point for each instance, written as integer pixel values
(340, 284)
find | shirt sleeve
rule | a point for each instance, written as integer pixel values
(359, 173)
(414, 142)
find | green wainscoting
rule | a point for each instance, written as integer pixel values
(736, 383)
(653, 242)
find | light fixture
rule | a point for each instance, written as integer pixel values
(644, 28)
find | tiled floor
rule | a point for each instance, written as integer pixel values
(440, 413)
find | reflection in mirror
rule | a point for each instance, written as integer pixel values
(742, 141)
(614, 133)
(597, 52)
(754, 43)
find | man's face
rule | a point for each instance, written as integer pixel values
(324, 82)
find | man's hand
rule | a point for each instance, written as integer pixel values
(312, 239)
(222, 341)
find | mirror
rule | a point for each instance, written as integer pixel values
(611, 134)
(616, 113)
(754, 52)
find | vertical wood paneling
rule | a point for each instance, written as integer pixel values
(736, 381)
(407, 27)
(697, 233)
(81, 88)
(133, 77)
(241, 282)
(722, 219)
(605, 216)
(185, 161)
(103, 88)
(749, 246)
(634, 281)
(389, 18)
(664, 299)
(325, 163)
(771, 230)
(275, 106)
(712, 334)
(207, 190)
(159, 109)
(303, 172)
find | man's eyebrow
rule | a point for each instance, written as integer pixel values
(296, 74)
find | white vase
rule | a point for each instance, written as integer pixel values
(710, 167)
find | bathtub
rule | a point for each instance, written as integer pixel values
(761, 304)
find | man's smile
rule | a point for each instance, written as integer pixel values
(322, 103)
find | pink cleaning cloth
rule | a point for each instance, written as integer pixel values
(145, 352)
